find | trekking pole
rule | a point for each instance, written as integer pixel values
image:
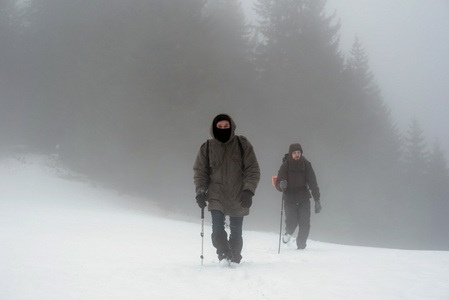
(202, 234)
(280, 227)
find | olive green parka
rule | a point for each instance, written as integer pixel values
(224, 177)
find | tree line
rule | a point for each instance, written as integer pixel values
(126, 92)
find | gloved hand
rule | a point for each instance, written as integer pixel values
(201, 199)
(317, 206)
(283, 185)
(247, 199)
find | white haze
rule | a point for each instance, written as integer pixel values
(408, 48)
(67, 238)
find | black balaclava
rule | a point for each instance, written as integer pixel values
(222, 135)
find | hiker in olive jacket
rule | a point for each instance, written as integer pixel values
(226, 175)
(296, 179)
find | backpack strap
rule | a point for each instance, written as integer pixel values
(241, 151)
(207, 157)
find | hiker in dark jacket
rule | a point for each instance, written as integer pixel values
(226, 175)
(296, 179)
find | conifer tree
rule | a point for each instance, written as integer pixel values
(297, 38)
(357, 68)
(438, 174)
(438, 194)
(374, 135)
(226, 50)
(298, 56)
(416, 155)
(426, 188)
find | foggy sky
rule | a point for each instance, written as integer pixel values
(407, 43)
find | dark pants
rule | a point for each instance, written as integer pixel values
(298, 214)
(227, 249)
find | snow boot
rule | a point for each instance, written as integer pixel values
(301, 245)
(286, 238)
(236, 244)
(220, 242)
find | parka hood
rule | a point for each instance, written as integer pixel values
(293, 163)
(219, 118)
(294, 147)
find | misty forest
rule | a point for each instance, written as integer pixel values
(124, 92)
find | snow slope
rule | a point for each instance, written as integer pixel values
(65, 238)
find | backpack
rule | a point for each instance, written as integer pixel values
(285, 158)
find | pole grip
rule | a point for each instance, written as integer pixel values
(202, 213)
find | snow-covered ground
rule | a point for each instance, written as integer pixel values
(65, 238)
